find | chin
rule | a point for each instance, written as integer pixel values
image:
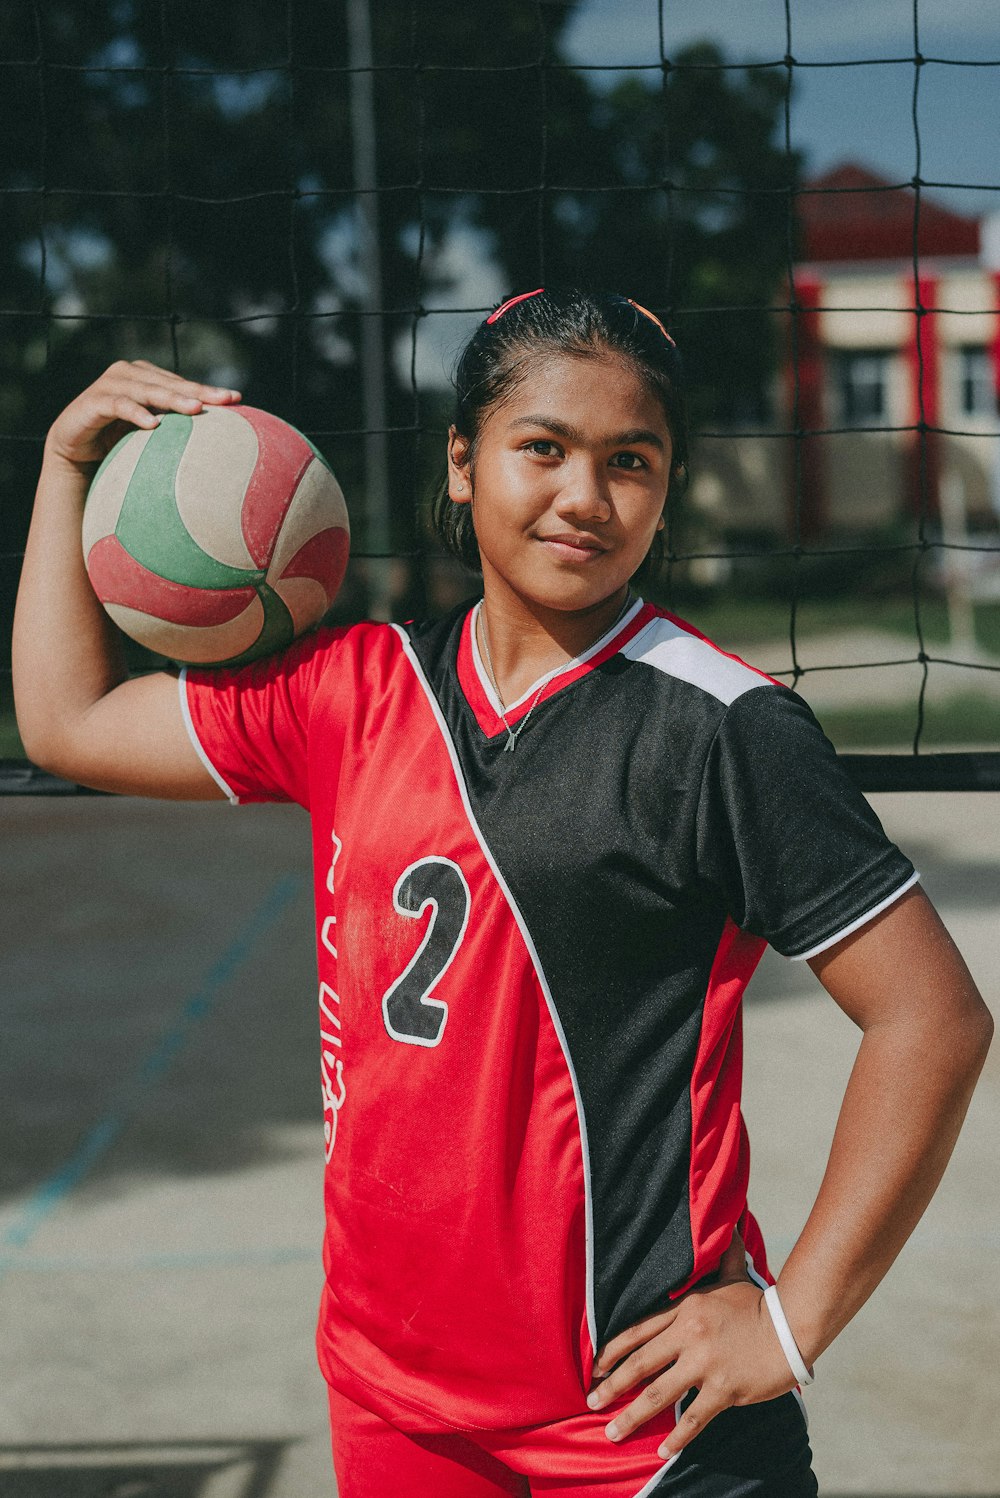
(577, 600)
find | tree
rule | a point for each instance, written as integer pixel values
(681, 193)
(177, 183)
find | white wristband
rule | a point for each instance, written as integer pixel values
(784, 1333)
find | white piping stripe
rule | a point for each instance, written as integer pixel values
(193, 736)
(651, 1485)
(862, 920)
(529, 944)
(578, 660)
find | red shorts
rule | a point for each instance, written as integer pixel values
(758, 1451)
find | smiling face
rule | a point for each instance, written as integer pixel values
(567, 481)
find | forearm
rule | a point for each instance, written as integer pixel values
(66, 651)
(907, 1097)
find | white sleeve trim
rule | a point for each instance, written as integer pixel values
(862, 920)
(193, 736)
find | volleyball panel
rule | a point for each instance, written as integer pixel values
(118, 578)
(212, 483)
(284, 458)
(192, 645)
(151, 527)
(109, 486)
(311, 549)
(312, 579)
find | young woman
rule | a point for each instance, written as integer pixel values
(552, 835)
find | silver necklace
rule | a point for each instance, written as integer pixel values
(513, 734)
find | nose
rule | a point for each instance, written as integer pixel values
(584, 494)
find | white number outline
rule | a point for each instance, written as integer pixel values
(331, 1066)
(415, 915)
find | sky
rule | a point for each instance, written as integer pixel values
(861, 114)
(857, 113)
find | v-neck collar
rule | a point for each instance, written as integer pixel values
(479, 691)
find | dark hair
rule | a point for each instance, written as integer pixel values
(569, 321)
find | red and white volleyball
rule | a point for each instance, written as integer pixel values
(218, 538)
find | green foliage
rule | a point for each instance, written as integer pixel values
(176, 184)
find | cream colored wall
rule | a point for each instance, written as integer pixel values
(866, 311)
(739, 483)
(742, 483)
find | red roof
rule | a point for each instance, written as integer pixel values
(862, 216)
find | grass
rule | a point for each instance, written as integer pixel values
(965, 720)
(732, 621)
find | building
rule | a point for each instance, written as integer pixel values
(891, 373)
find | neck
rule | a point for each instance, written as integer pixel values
(525, 641)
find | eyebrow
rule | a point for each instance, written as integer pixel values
(572, 434)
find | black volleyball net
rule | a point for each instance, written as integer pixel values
(315, 203)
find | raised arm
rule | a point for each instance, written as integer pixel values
(78, 712)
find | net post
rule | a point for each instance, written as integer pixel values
(362, 99)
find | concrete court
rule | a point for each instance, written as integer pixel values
(160, 1205)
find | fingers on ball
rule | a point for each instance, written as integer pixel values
(126, 409)
(162, 386)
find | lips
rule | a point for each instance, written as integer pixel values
(575, 545)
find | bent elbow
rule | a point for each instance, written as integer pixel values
(44, 749)
(972, 1042)
(985, 1027)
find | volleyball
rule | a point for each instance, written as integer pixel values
(215, 539)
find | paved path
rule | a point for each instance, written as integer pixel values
(159, 1184)
(844, 669)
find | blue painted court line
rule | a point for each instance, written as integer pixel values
(52, 1192)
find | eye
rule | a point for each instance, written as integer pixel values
(631, 462)
(542, 447)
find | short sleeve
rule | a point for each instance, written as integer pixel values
(250, 726)
(783, 833)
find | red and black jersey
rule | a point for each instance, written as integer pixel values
(531, 965)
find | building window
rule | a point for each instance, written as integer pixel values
(978, 393)
(861, 383)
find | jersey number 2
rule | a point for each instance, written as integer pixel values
(410, 1014)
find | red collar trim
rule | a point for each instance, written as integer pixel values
(486, 716)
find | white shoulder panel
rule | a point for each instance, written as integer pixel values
(668, 648)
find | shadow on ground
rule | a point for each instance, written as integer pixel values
(159, 988)
(182, 1469)
(205, 1469)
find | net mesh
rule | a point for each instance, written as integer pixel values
(317, 210)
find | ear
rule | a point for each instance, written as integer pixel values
(661, 522)
(459, 476)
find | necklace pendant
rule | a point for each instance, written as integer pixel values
(511, 743)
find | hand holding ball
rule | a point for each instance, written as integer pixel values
(217, 538)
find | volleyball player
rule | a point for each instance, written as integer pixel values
(552, 835)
